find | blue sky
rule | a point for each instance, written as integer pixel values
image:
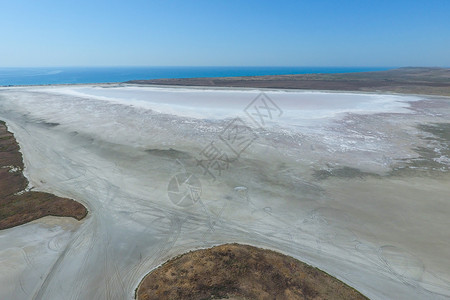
(224, 33)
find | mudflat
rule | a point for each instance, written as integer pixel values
(355, 184)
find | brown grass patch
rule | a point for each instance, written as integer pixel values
(18, 208)
(241, 271)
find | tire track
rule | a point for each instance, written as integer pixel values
(139, 270)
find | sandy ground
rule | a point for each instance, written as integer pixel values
(377, 220)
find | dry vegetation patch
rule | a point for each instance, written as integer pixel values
(241, 272)
(18, 206)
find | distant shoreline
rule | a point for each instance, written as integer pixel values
(83, 75)
(411, 80)
(423, 81)
(58, 84)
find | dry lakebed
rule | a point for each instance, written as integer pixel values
(356, 184)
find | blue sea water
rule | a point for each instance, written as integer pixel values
(66, 75)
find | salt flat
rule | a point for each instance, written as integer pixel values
(333, 179)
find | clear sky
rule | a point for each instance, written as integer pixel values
(225, 33)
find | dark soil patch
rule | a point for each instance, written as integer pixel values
(432, 159)
(242, 271)
(342, 172)
(169, 153)
(17, 206)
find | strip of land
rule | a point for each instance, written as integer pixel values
(18, 206)
(242, 272)
(428, 81)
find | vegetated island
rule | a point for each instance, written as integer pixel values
(19, 206)
(409, 80)
(234, 271)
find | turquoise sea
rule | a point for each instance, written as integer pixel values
(64, 75)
